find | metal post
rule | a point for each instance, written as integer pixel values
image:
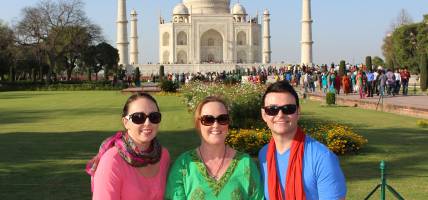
(383, 180)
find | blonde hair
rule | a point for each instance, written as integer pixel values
(197, 114)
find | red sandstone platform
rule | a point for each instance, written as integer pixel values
(146, 87)
(415, 106)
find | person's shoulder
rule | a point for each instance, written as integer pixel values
(315, 146)
(262, 153)
(111, 158)
(186, 156)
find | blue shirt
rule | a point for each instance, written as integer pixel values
(370, 76)
(322, 176)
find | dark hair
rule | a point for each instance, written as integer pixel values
(135, 97)
(281, 87)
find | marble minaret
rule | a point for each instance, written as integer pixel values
(122, 33)
(306, 43)
(134, 39)
(266, 38)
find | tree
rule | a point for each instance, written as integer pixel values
(377, 61)
(89, 61)
(7, 47)
(403, 18)
(107, 57)
(75, 40)
(342, 68)
(423, 67)
(43, 26)
(404, 45)
(369, 63)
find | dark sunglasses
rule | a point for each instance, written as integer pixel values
(286, 109)
(140, 117)
(209, 120)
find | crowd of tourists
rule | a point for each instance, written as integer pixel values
(355, 79)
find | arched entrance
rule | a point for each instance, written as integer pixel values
(242, 57)
(211, 49)
(182, 57)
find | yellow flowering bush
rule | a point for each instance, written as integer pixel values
(422, 123)
(340, 139)
(248, 140)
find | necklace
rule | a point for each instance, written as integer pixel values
(213, 176)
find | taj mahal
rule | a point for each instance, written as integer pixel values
(207, 36)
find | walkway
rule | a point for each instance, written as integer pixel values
(415, 106)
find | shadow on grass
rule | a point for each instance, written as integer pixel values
(31, 116)
(52, 165)
(403, 149)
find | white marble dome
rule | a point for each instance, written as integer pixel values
(208, 6)
(180, 9)
(238, 9)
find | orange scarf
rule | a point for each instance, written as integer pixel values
(294, 181)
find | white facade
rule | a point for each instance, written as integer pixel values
(209, 32)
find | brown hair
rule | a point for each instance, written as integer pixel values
(135, 97)
(204, 101)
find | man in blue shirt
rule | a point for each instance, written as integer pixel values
(370, 83)
(318, 172)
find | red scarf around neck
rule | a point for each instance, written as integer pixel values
(294, 179)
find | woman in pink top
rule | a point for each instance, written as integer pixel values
(132, 164)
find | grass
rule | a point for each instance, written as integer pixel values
(46, 139)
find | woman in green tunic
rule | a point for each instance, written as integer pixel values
(213, 170)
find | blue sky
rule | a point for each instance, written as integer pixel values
(342, 29)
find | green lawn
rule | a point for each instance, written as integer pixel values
(47, 137)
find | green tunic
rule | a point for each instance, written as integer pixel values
(189, 179)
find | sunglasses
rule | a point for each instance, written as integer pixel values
(286, 109)
(140, 117)
(209, 120)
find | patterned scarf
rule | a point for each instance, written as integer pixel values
(128, 151)
(294, 181)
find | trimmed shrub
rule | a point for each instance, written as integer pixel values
(330, 98)
(369, 63)
(342, 68)
(161, 72)
(423, 66)
(168, 86)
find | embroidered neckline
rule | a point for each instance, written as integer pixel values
(216, 186)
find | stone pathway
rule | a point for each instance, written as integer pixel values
(412, 105)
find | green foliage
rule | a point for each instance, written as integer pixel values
(423, 67)
(330, 98)
(137, 77)
(369, 63)
(6, 50)
(168, 86)
(244, 100)
(377, 61)
(404, 45)
(342, 68)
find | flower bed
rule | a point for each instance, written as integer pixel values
(338, 138)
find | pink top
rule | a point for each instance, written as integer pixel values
(115, 179)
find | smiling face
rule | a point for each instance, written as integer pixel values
(281, 124)
(141, 134)
(215, 133)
